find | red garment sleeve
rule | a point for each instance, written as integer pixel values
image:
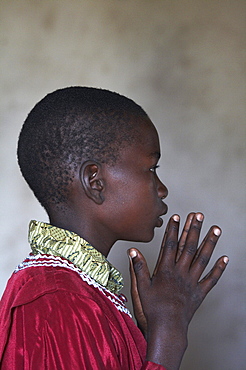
(51, 319)
(63, 330)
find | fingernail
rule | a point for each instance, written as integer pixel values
(199, 217)
(217, 231)
(132, 253)
(176, 218)
(226, 260)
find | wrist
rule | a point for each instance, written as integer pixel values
(166, 346)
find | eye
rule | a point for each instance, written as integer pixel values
(154, 168)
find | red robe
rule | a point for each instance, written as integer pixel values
(51, 319)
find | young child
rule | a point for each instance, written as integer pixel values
(90, 157)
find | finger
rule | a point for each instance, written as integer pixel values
(200, 248)
(205, 251)
(134, 290)
(184, 234)
(140, 269)
(162, 248)
(212, 278)
(191, 244)
(169, 248)
(137, 305)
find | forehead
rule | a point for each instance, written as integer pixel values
(148, 135)
(146, 143)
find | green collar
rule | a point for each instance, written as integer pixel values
(48, 239)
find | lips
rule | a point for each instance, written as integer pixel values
(159, 222)
(164, 211)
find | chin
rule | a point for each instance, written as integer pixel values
(143, 238)
(147, 240)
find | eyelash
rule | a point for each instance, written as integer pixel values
(154, 168)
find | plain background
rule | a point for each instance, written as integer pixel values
(184, 62)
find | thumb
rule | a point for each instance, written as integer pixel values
(137, 305)
(140, 276)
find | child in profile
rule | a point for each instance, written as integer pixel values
(90, 157)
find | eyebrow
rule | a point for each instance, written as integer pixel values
(156, 155)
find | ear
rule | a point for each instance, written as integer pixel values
(92, 181)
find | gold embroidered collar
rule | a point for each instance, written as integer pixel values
(48, 239)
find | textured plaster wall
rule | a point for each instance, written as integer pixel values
(184, 62)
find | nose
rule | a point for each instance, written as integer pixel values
(162, 190)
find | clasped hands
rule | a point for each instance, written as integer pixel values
(167, 300)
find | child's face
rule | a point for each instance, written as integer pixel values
(135, 193)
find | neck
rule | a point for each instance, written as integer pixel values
(89, 229)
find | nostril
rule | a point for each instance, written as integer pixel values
(162, 190)
(165, 192)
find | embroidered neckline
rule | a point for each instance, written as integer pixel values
(55, 261)
(51, 240)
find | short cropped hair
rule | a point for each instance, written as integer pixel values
(69, 126)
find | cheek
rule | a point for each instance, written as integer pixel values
(133, 198)
(132, 217)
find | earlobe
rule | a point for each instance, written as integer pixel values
(92, 181)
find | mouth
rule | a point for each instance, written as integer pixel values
(159, 219)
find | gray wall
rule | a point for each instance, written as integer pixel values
(183, 61)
